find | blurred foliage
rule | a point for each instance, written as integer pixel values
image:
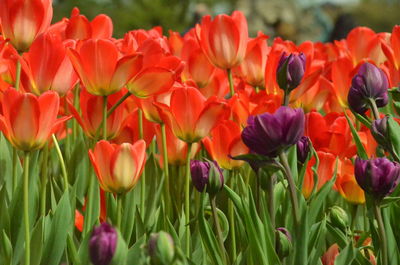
(178, 15)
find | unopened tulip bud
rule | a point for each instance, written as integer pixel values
(370, 83)
(303, 149)
(103, 244)
(283, 243)
(379, 130)
(378, 177)
(339, 217)
(206, 174)
(161, 248)
(290, 71)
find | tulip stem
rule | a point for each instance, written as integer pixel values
(26, 209)
(14, 168)
(105, 117)
(44, 180)
(382, 234)
(18, 75)
(292, 188)
(271, 203)
(166, 170)
(231, 211)
(374, 108)
(218, 228)
(119, 211)
(119, 102)
(187, 199)
(230, 78)
(286, 97)
(62, 163)
(76, 105)
(143, 178)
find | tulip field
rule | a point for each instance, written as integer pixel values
(208, 147)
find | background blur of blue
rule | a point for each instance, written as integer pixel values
(316, 20)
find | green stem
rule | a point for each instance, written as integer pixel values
(230, 78)
(218, 228)
(14, 168)
(143, 177)
(286, 97)
(76, 105)
(105, 117)
(18, 75)
(231, 212)
(119, 102)
(374, 108)
(167, 195)
(119, 211)
(271, 201)
(88, 213)
(187, 199)
(26, 209)
(62, 162)
(382, 234)
(292, 188)
(73, 253)
(44, 180)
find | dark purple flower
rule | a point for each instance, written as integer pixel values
(268, 134)
(379, 130)
(303, 148)
(370, 83)
(208, 174)
(378, 177)
(290, 70)
(102, 244)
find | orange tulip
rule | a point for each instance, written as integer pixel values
(325, 172)
(224, 39)
(47, 67)
(99, 67)
(118, 167)
(8, 62)
(176, 148)
(346, 183)
(27, 120)
(92, 113)
(253, 66)
(150, 111)
(330, 255)
(190, 116)
(22, 21)
(226, 141)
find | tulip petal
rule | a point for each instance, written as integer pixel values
(151, 81)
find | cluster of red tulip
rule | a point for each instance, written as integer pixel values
(173, 98)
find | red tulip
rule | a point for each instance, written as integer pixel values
(190, 116)
(28, 120)
(224, 39)
(47, 67)
(118, 167)
(226, 141)
(100, 68)
(22, 21)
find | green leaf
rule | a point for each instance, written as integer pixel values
(136, 253)
(360, 148)
(5, 249)
(346, 256)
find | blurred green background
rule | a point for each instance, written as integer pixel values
(298, 20)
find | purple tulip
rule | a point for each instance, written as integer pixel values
(379, 130)
(102, 244)
(303, 148)
(268, 134)
(290, 71)
(208, 174)
(378, 177)
(370, 83)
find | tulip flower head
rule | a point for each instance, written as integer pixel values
(207, 174)
(303, 149)
(118, 167)
(268, 134)
(370, 83)
(103, 244)
(290, 71)
(28, 120)
(161, 248)
(378, 177)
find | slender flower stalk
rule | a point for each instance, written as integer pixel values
(382, 234)
(187, 199)
(119, 102)
(44, 180)
(292, 188)
(105, 117)
(218, 228)
(119, 211)
(62, 162)
(374, 108)
(18, 75)
(143, 186)
(230, 78)
(26, 209)
(231, 212)
(166, 169)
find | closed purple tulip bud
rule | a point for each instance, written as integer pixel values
(303, 148)
(370, 83)
(269, 134)
(379, 130)
(102, 244)
(208, 174)
(378, 177)
(290, 71)
(283, 243)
